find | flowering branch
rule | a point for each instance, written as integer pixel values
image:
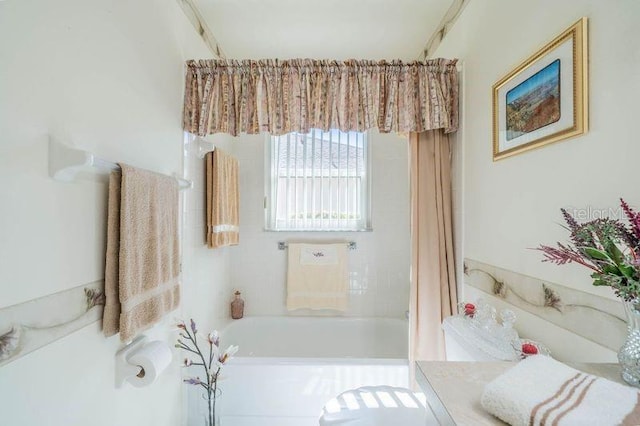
(212, 363)
(565, 254)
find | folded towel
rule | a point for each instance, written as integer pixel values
(317, 276)
(222, 199)
(542, 391)
(143, 251)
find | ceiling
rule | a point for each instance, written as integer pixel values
(323, 29)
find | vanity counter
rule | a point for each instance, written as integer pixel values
(453, 389)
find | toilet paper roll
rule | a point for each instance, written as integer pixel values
(153, 358)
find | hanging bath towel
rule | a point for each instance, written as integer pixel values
(317, 276)
(222, 199)
(143, 251)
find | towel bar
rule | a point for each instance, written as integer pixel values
(65, 162)
(351, 245)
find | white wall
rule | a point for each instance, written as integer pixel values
(379, 267)
(513, 204)
(107, 76)
(207, 274)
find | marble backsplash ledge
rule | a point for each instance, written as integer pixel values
(28, 326)
(595, 318)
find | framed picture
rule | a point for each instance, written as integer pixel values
(545, 99)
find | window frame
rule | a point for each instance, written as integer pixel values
(270, 177)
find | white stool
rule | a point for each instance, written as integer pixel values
(375, 406)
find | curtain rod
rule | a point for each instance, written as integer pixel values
(65, 162)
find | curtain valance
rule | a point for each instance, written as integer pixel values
(232, 96)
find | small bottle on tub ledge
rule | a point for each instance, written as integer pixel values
(237, 307)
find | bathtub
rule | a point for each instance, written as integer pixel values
(318, 337)
(287, 368)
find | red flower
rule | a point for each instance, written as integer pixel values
(469, 309)
(529, 349)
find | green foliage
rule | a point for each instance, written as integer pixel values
(608, 247)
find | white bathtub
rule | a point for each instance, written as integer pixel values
(318, 337)
(287, 368)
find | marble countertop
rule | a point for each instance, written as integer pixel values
(453, 389)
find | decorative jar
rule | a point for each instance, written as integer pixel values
(629, 353)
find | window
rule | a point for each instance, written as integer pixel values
(318, 182)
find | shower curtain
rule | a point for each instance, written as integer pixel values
(433, 283)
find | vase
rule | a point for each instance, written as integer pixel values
(210, 409)
(629, 353)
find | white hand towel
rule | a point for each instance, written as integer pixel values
(542, 391)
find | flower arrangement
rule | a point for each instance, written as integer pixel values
(609, 247)
(211, 362)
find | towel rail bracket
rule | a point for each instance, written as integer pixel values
(204, 147)
(351, 245)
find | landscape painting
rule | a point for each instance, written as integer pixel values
(534, 103)
(545, 98)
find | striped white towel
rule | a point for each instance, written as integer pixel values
(542, 391)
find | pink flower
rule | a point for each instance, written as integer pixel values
(529, 349)
(227, 354)
(214, 338)
(193, 380)
(470, 309)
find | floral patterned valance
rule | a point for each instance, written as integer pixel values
(234, 97)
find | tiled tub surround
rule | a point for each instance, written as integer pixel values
(289, 367)
(596, 318)
(308, 337)
(379, 267)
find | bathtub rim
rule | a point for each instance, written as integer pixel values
(306, 361)
(340, 318)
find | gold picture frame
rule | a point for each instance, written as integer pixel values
(545, 99)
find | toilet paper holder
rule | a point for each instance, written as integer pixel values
(124, 368)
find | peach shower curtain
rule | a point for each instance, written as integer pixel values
(433, 283)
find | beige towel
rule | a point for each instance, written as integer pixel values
(222, 199)
(542, 391)
(143, 251)
(317, 276)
